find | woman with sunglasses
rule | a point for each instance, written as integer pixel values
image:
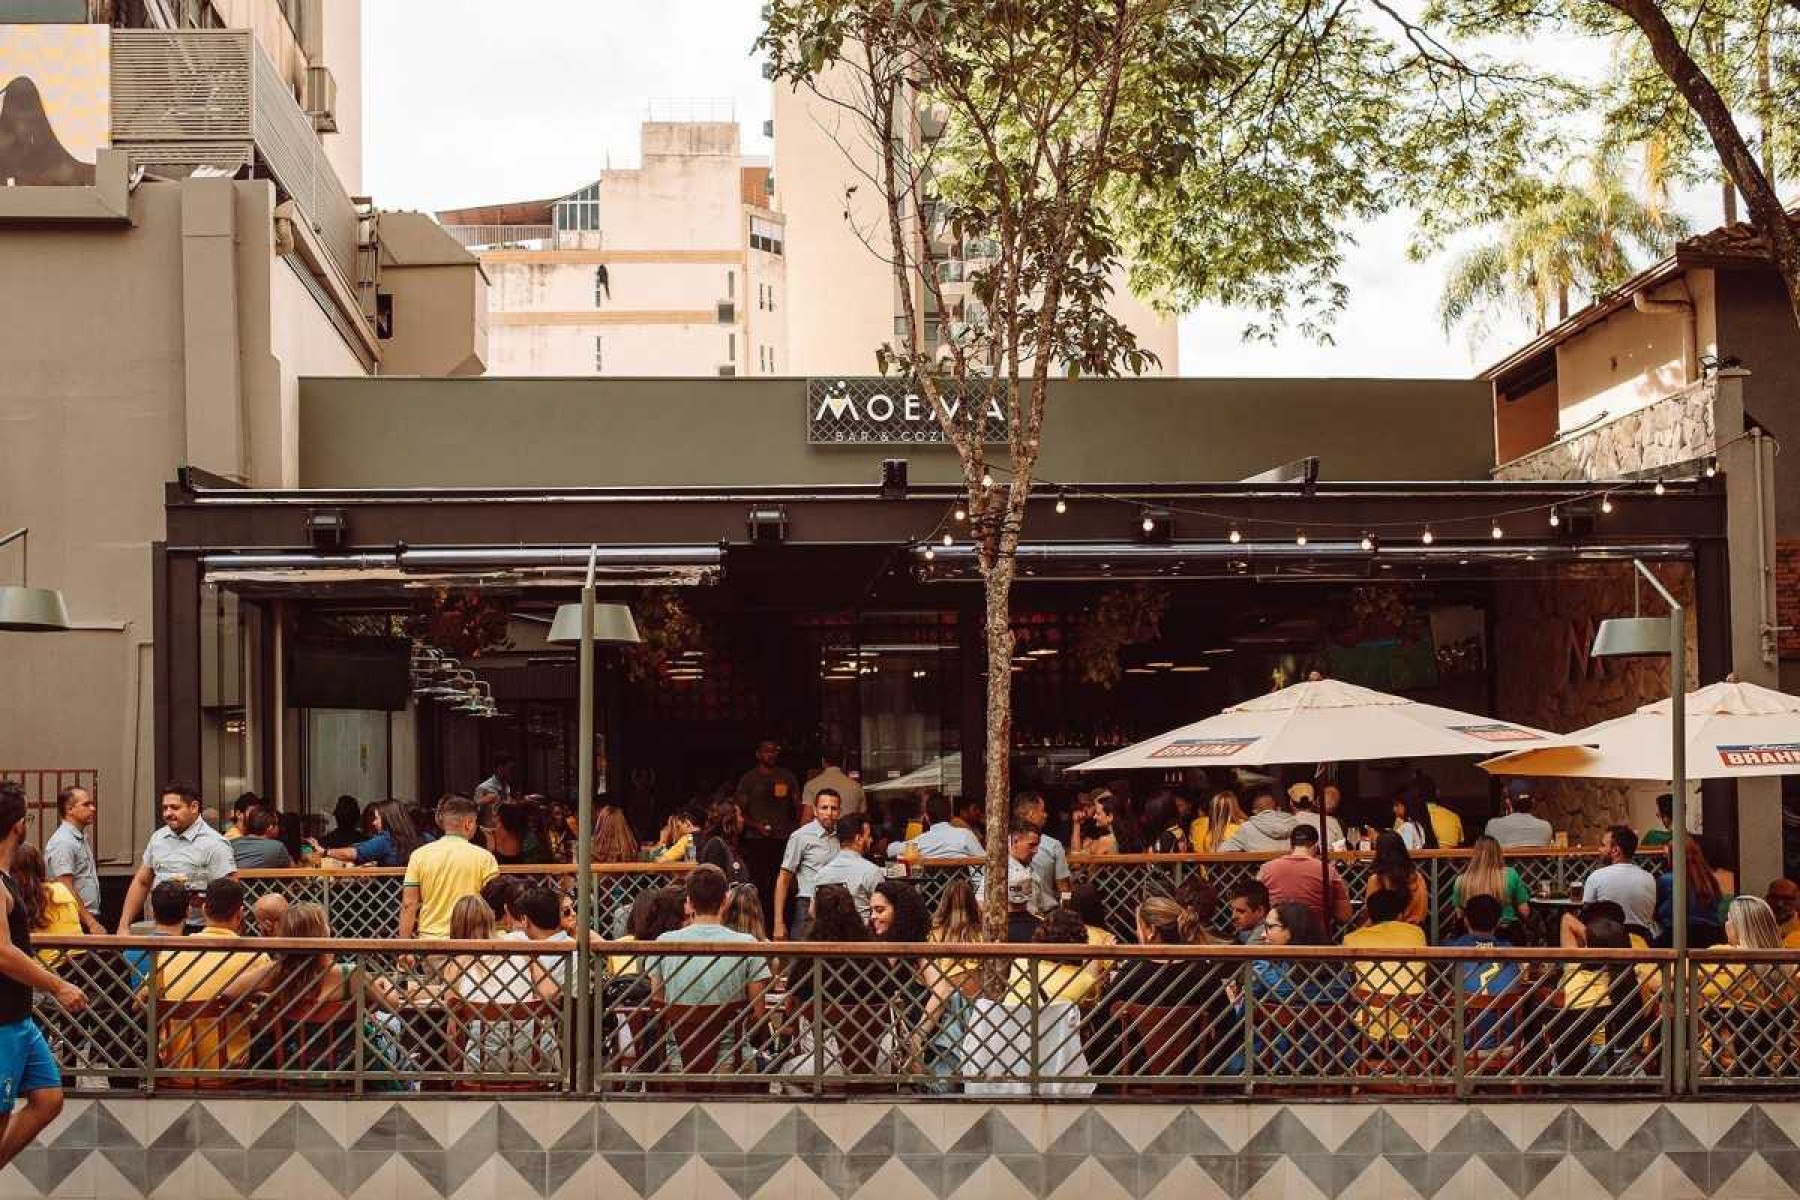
(1296, 1026)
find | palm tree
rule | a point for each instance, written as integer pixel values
(1577, 235)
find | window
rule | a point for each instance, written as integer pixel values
(759, 297)
(579, 211)
(731, 285)
(731, 347)
(765, 235)
(602, 286)
(599, 354)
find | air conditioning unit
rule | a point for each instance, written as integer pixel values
(728, 369)
(727, 312)
(321, 99)
(769, 128)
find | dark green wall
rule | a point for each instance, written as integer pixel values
(567, 432)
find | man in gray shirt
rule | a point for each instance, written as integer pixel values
(1622, 881)
(1518, 827)
(186, 849)
(257, 849)
(69, 858)
(849, 867)
(1050, 863)
(809, 848)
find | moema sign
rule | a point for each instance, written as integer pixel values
(879, 411)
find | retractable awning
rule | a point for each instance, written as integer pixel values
(410, 568)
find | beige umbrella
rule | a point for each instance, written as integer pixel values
(1734, 731)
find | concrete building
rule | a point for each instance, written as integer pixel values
(181, 245)
(1689, 369)
(676, 267)
(843, 303)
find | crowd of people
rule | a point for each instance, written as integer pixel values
(827, 884)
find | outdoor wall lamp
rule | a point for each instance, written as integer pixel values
(25, 609)
(893, 479)
(768, 526)
(327, 528)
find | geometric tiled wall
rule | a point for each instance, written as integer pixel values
(218, 1148)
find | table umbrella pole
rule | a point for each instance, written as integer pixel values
(1678, 842)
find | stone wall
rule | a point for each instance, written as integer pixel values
(1787, 594)
(1674, 430)
(1544, 675)
(479, 1149)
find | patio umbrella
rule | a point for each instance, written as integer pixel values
(1734, 731)
(1322, 720)
(944, 773)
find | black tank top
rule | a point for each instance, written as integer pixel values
(15, 997)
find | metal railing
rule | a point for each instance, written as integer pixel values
(503, 237)
(200, 95)
(354, 1016)
(364, 902)
(41, 786)
(1124, 879)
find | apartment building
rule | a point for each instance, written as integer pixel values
(182, 240)
(676, 267)
(845, 301)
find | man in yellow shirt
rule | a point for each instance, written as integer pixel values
(208, 1040)
(1783, 898)
(1380, 983)
(439, 875)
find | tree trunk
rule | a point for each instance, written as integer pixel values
(1766, 211)
(997, 599)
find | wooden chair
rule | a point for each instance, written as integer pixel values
(862, 1032)
(1405, 1033)
(317, 1040)
(1157, 1042)
(697, 1033)
(1493, 1035)
(532, 1018)
(202, 1035)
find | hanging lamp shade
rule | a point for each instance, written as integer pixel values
(612, 624)
(32, 610)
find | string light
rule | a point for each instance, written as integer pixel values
(1235, 537)
(930, 554)
(1149, 525)
(1368, 543)
(948, 540)
(1712, 467)
(1606, 504)
(987, 479)
(1496, 532)
(1427, 537)
(1659, 489)
(961, 513)
(1062, 505)
(1300, 538)
(1555, 517)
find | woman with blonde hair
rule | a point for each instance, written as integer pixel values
(501, 1045)
(1221, 819)
(1745, 1005)
(613, 840)
(1488, 875)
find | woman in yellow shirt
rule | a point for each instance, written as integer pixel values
(1220, 820)
(1058, 981)
(50, 908)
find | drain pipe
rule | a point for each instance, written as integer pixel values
(1690, 327)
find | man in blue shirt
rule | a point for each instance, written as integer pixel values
(708, 979)
(1487, 1029)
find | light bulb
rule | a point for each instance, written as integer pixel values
(1659, 489)
(1236, 537)
(1555, 518)
(1496, 532)
(1712, 467)
(1427, 537)
(987, 479)
(930, 554)
(961, 514)
(1368, 543)
(1606, 504)
(1300, 538)
(1149, 525)
(948, 540)
(1062, 506)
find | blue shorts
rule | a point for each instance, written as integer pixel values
(26, 1064)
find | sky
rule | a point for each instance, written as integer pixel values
(533, 98)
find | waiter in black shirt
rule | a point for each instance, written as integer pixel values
(769, 797)
(29, 1077)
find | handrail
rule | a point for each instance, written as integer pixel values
(884, 950)
(352, 872)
